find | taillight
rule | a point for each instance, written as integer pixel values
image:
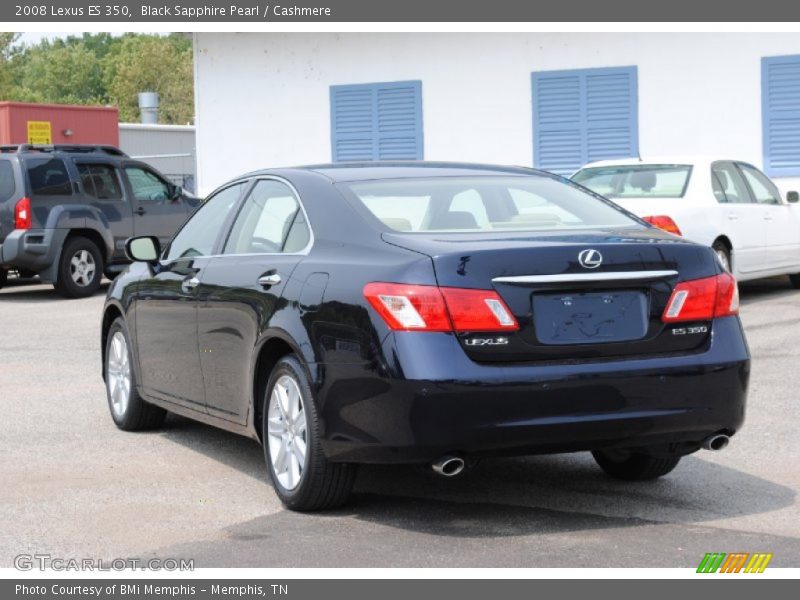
(430, 308)
(22, 214)
(703, 299)
(663, 222)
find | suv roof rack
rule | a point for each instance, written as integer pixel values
(87, 148)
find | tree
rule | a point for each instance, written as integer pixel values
(148, 63)
(7, 40)
(58, 73)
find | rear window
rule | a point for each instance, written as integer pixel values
(100, 181)
(48, 177)
(453, 204)
(636, 181)
(7, 184)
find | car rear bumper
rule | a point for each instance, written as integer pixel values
(425, 398)
(32, 249)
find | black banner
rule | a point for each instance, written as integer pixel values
(332, 589)
(255, 11)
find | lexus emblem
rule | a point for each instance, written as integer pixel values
(590, 258)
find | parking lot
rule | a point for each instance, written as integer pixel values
(74, 486)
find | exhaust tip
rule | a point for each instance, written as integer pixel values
(716, 442)
(448, 466)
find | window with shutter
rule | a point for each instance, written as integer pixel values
(780, 113)
(376, 121)
(584, 115)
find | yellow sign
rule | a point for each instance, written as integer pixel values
(40, 132)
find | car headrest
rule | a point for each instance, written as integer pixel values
(644, 180)
(457, 219)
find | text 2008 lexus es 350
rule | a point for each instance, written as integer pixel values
(426, 313)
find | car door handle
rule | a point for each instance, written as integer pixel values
(269, 280)
(140, 211)
(732, 216)
(188, 285)
(768, 217)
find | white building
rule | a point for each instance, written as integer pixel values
(548, 100)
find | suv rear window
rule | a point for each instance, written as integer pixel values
(7, 184)
(636, 181)
(489, 203)
(48, 177)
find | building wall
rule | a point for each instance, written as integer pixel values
(88, 124)
(168, 148)
(263, 99)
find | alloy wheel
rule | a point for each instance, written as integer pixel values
(82, 268)
(723, 258)
(286, 431)
(118, 374)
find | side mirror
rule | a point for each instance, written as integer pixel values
(175, 192)
(792, 197)
(143, 249)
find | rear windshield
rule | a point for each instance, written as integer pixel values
(7, 185)
(453, 204)
(636, 181)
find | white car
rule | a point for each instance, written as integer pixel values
(727, 204)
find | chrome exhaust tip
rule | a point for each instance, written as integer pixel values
(448, 466)
(716, 442)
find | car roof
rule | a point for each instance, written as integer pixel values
(365, 171)
(679, 159)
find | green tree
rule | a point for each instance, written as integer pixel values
(58, 73)
(148, 63)
(7, 40)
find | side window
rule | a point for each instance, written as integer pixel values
(200, 233)
(764, 191)
(271, 221)
(100, 181)
(7, 184)
(728, 185)
(146, 185)
(48, 177)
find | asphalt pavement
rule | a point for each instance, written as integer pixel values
(73, 486)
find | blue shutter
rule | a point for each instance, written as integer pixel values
(376, 121)
(780, 112)
(580, 116)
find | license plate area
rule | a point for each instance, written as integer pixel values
(590, 318)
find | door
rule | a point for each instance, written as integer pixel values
(166, 305)
(102, 186)
(156, 209)
(782, 248)
(242, 292)
(742, 219)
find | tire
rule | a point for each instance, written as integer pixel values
(129, 413)
(308, 481)
(724, 254)
(794, 279)
(634, 466)
(3, 277)
(80, 268)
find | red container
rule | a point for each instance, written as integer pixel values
(23, 123)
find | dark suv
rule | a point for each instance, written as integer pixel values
(66, 211)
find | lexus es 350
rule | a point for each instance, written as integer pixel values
(426, 313)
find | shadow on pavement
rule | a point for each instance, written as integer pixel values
(499, 498)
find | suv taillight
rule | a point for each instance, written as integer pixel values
(22, 214)
(430, 308)
(703, 299)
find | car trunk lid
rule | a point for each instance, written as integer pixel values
(580, 294)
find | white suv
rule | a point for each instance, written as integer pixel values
(727, 204)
